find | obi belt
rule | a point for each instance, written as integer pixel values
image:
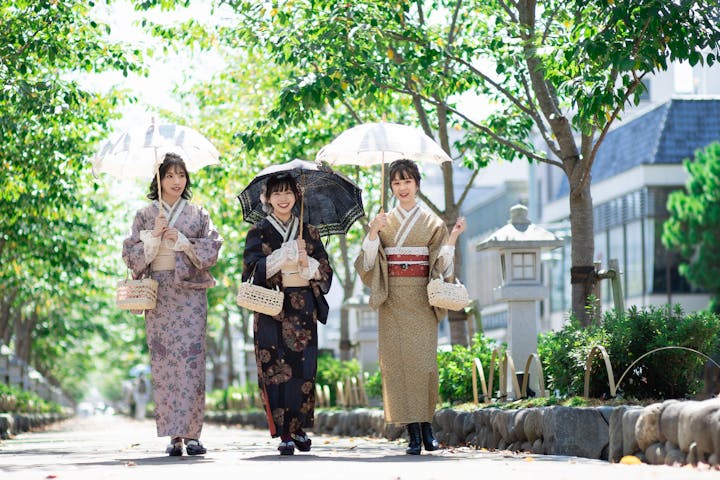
(408, 261)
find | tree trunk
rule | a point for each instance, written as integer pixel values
(582, 271)
(348, 285)
(5, 316)
(23, 336)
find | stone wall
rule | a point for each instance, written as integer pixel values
(14, 423)
(671, 433)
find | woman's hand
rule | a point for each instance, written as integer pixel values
(458, 228)
(302, 253)
(170, 234)
(161, 224)
(377, 225)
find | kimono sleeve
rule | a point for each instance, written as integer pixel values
(376, 279)
(207, 246)
(320, 286)
(134, 250)
(437, 266)
(255, 257)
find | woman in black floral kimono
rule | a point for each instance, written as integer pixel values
(286, 345)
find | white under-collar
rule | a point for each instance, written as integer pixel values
(287, 230)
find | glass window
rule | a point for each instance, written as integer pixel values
(557, 280)
(634, 261)
(649, 255)
(523, 266)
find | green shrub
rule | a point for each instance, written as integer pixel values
(563, 355)
(455, 368)
(373, 385)
(331, 370)
(233, 398)
(671, 373)
(15, 400)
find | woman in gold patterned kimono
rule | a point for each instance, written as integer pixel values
(176, 243)
(402, 250)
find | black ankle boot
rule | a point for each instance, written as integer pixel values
(414, 440)
(428, 439)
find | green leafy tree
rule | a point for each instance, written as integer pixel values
(695, 220)
(52, 235)
(565, 69)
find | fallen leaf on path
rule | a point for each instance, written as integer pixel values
(529, 459)
(630, 460)
(131, 464)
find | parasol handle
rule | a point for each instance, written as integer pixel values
(382, 183)
(157, 176)
(302, 204)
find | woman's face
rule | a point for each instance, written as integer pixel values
(173, 184)
(282, 202)
(404, 190)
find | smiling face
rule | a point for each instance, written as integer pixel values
(282, 202)
(404, 190)
(173, 184)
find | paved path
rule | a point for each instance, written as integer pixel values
(105, 447)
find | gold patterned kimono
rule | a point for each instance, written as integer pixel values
(409, 251)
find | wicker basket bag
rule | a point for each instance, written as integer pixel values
(450, 296)
(136, 295)
(260, 299)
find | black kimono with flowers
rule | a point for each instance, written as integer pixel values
(286, 346)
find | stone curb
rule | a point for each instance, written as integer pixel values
(14, 423)
(669, 433)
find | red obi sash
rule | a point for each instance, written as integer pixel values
(408, 265)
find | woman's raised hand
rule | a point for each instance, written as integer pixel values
(302, 253)
(460, 225)
(378, 224)
(170, 234)
(161, 224)
(458, 228)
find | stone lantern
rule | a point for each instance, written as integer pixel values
(520, 244)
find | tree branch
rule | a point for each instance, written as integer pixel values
(466, 190)
(521, 150)
(430, 204)
(508, 10)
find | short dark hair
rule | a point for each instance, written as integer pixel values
(171, 160)
(403, 169)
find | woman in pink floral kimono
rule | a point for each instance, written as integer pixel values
(286, 347)
(175, 243)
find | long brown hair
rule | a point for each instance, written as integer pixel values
(171, 160)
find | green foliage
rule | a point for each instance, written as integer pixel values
(558, 67)
(331, 370)
(695, 220)
(56, 223)
(455, 368)
(15, 400)
(671, 373)
(373, 385)
(563, 354)
(234, 398)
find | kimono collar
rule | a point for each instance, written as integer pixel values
(287, 231)
(407, 219)
(171, 212)
(402, 214)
